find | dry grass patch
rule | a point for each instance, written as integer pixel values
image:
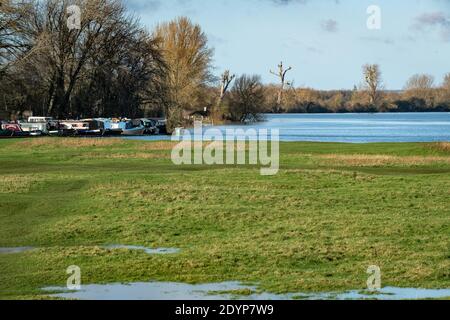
(361, 160)
(441, 146)
(68, 143)
(157, 146)
(18, 183)
(169, 145)
(122, 156)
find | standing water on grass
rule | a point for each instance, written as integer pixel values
(352, 128)
(229, 290)
(15, 250)
(146, 250)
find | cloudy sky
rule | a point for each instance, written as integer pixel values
(325, 41)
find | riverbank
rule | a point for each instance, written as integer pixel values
(332, 211)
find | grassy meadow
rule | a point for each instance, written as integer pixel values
(332, 211)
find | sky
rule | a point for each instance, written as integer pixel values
(326, 42)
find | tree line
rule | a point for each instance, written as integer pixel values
(420, 94)
(112, 66)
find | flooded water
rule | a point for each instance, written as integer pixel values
(15, 250)
(227, 291)
(352, 128)
(146, 250)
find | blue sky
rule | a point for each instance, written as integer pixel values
(325, 41)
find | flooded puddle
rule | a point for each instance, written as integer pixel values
(146, 250)
(228, 291)
(15, 250)
(388, 293)
(150, 291)
(109, 247)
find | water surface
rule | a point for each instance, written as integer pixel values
(145, 249)
(15, 250)
(352, 128)
(224, 291)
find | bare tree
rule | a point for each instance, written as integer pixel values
(14, 41)
(281, 74)
(110, 66)
(246, 99)
(446, 87)
(373, 82)
(186, 52)
(421, 86)
(104, 23)
(226, 80)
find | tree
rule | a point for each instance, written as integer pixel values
(129, 80)
(226, 80)
(68, 51)
(186, 52)
(281, 74)
(421, 86)
(336, 102)
(373, 82)
(246, 101)
(446, 83)
(109, 66)
(446, 88)
(14, 41)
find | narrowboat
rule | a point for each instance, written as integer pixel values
(150, 126)
(15, 130)
(134, 128)
(93, 128)
(6, 133)
(110, 128)
(161, 124)
(34, 125)
(70, 128)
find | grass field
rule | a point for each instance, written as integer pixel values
(332, 211)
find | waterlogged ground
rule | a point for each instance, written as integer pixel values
(229, 291)
(332, 211)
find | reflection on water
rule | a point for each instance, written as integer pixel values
(146, 250)
(15, 250)
(352, 128)
(227, 291)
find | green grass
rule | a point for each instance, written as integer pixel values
(332, 211)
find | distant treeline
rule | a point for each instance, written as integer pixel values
(304, 100)
(110, 65)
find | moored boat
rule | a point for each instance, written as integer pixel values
(110, 128)
(150, 126)
(15, 130)
(36, 125)
(6, 133)
(93, 128)
(134, 128)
